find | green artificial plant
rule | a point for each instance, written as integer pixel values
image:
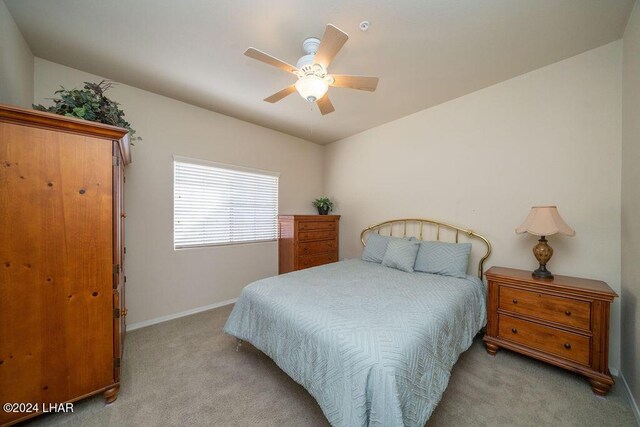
(91, 104)
(323, 204)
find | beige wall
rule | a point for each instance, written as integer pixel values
(16, 63)
(162, 281)
(631, 205)
(551, 136)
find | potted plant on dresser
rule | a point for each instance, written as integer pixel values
(324, 205)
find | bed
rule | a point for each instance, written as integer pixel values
(373, 345)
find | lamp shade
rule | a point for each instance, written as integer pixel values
(545, 221)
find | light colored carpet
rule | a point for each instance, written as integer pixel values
(187, 372)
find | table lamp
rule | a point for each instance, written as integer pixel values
(544, 221)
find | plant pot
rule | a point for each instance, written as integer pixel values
(323, 211)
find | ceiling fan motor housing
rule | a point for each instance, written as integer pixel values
(305, 61)
(310, 45)
(310, 48)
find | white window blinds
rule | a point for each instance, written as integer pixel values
(218, 204)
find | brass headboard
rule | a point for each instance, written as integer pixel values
(420, 223)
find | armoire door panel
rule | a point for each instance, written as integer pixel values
(56, 246)
(58, 337)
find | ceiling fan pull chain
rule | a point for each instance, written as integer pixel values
(310, 106)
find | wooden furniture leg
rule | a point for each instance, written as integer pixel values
(111, 394)
(492, 349)
(600, 388)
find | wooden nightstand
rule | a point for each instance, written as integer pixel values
(564, 321)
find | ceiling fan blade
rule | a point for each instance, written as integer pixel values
(268, 59)
(331, 43)
(355, 82)
(282, 94)
(325, 105)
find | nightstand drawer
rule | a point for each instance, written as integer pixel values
(318, 247)
(549, 340)
(566, 311)
(315, 260)
(316, 225)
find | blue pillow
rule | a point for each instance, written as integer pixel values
(401, 254)
(375, 248)
(447, 259)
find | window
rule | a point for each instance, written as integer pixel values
(216, 204)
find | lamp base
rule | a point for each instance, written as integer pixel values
(542, 273)
(543, 253)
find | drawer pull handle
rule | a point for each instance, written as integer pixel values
(515, 301)
(568, 313)
(514, 330)
(567, 346)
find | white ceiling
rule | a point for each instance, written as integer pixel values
(425, 51)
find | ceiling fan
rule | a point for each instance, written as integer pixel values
(312, 70)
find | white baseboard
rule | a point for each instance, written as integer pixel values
(168, 317)
(614, 371)
(632, 400)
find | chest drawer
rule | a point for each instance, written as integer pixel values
(316, 235)
(556, 309)
(316, 225)
(567, 345)
(307, 261)
(318, 247)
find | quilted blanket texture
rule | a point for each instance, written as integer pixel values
(373, 345)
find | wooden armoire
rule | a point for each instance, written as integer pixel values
(62, 258)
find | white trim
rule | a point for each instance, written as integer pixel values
(614, 371)
(202, 162)
(213, 245)
(632, 400)
(168, 317)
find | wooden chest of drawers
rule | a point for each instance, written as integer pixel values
(564, 321)
(307, 241)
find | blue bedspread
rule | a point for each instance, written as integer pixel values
(373, 345)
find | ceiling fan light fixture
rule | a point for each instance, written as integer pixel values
(312, 87)
(311, 69)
